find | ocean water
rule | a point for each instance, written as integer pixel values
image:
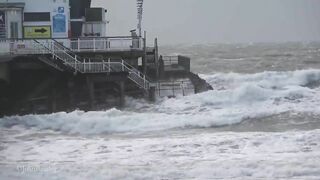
(261, 121)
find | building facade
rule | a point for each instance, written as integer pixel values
(30, 19)
(35, 19)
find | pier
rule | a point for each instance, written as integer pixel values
(43, 72)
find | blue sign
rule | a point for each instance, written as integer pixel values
(59, 23)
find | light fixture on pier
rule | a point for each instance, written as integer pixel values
(140, 12)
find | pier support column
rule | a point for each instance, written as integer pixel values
(4, 72)
(54, 100)
(90, 84)
(152, 94)
(71, 92)
(122, 93)
(144, 57)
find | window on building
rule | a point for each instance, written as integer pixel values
(94, 14)
(37, 16)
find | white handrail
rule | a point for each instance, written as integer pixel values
(97, 44)
(59, 51)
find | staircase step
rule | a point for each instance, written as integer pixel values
(51, 63)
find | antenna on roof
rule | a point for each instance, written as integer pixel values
(140, 12)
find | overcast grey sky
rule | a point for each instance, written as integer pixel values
(218, 21)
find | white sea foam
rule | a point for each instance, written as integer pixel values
(288, 148)
(239, 97)
(266, 79)
(225, 155)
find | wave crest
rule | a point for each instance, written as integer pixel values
(239, 97)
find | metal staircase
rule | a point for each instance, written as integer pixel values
(50, 62)
(84, 66)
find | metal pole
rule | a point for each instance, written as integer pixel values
(78, 44)
(182, 86)
(139, 16)
(159, 88)
(94, 44)
(173, 89)
(53, 50)
(122, 65)
(75, 66)
(144, 58)
(109, 65)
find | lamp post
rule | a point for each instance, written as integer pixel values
(140, 12)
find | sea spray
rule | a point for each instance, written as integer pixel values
(245, 96)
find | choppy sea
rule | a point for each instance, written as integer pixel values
(261, 121)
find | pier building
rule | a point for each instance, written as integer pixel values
(56, 55)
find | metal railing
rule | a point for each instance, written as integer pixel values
(110, 66)
(81, 65)
(174, 88)
(66, 54)
(103, 44)
(100, 44)
(3, 31)
(175, 63)
(136, 76)
(170, 60)
(5, 47)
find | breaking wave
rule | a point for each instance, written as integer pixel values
(236, 97)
